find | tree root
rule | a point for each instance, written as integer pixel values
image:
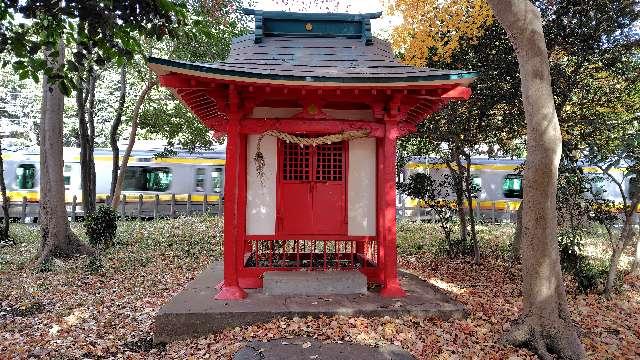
(546, 338)
(72, 246)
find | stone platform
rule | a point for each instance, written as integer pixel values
(307, 348)
(193, 312)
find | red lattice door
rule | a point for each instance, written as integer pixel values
(312, 189)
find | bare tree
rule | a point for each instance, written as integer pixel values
(545, 324)
(151, 83)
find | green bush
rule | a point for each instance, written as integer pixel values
(589, 274)
(101, 227)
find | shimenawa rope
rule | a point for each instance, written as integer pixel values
(302, 141)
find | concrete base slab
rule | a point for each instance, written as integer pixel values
(332, 282)
(307, 348)
(193, 312)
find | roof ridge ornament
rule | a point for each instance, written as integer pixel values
(318, 25)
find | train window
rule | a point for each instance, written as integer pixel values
(158, 179)
(597, 185)
(200, 178)
(512, 186)
(634, 186)
(216, 180)
(26, 176)
(67, 176)
(476, 183)
(140, 178)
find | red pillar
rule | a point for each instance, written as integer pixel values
(391, 286)
(231, 289)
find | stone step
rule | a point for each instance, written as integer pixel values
(331, 282)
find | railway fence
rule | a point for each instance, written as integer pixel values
(491, 212)
(139, 206)
(131, 207)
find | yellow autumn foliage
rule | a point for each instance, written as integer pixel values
(436, 28)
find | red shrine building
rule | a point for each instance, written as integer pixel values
(323, 102)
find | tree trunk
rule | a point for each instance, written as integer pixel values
(458, 188)
(4, 232)
(635, 267)
(113, 135)
(626, 237)
(57, 238)
(472, 217)
(86, 127)
(517, 236)
(132, 139)
(545, 324)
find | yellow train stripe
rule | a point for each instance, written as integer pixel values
(586, 169)
(190, 161)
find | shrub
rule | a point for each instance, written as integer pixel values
(589, 274)
(101, 227)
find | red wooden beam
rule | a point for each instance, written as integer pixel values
(457, 93)
(258, 126)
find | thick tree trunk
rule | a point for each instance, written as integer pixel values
(86, 127)
(115, 126)
(545, 325)
(132, 140)
(4, 232)
(472, 217)
(57, 238)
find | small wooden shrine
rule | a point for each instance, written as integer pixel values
(312, 106)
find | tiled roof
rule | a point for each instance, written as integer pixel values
(317, 59)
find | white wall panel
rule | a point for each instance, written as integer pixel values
(261, 196)
(362, 187)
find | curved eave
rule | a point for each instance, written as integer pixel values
(165, 66)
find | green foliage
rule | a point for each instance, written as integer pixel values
(102, 30)
(101, 227)
(580, 206)
(95, 265)
(590, 274)
(46, 266)
(433, 194)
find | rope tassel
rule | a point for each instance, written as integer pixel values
(258, 158)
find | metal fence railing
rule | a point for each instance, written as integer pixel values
(139, 206)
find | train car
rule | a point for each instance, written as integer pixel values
(186, 178)
(500, 183)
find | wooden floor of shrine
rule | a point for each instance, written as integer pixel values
(193, 312)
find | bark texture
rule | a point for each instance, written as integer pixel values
(132, 140)
(57, 238)
(115, 127)
(626, 235)
(458, 187)
(472, 216)
(545, 325)
(635, 267)
(517, 236)
(85, 100)
(4, 232)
